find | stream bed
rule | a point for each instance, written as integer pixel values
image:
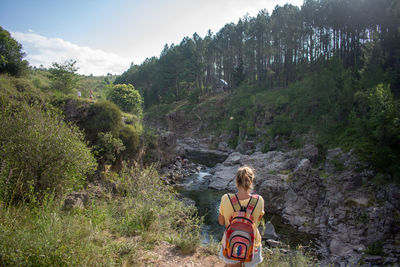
(207, 200)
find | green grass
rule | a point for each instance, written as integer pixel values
(294, 258)
(112, 230)
(46, 236)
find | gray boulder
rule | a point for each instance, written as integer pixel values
(75, 200)
(269, 232)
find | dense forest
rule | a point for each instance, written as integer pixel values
(335, 64)
(275, 50)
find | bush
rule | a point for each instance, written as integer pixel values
(151, 209)
(281, 126)
(136, 221)
(375, 248)
(127, 98)
(374, 129)
(107, 148)
(103, 116)
(16, 90)
(40, 152)
(294, 258)
(130, 137)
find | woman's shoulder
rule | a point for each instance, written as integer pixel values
(224, 196)
(260, 198)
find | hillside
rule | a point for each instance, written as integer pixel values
(278, 80)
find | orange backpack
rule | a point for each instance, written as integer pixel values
(240, 233)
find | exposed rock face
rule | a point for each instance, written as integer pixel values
(335, 201)
(199, 152)
(267, 167)
(247, 147)
(170, 147)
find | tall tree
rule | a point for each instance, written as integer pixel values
(63, 76)
(11, 55)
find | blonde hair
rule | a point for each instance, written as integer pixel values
(245, 177)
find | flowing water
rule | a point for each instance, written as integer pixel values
(207, 201)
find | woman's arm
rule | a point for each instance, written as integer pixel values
(221, 219)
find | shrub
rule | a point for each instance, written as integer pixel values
(375, 248)
(103, 116)
(40, 152)
(151, 209)
(294, 258)
(127, 98)
(130, 137)
(281, 126)
(373, 128)
(136, 220)
(107, 148)
(16, 90)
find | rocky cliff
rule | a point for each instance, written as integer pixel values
(330, 195)
(356, 221)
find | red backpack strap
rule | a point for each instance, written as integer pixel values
(252, 203)
(235, 202)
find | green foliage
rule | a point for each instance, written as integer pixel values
(63, 76)
(294, 258)
(187, 228)
(233, 142)
(127, 98)
(194, 96)
(281, 126)
(16, 90)
(40, 151)
(103, 116)
(275, 50)
(99, 85)
(11, 55)
(130, 137)
(150, 144)
(266, 147)
(372, 72)
(338, 165)
(155, 213)
(107, 148)
(109, 232)
(136, 221)
(375, 248)
(374, 129)
(242, 110)
(48, 236)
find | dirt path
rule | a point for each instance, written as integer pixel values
(166, 255)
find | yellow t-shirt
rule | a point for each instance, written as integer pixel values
(226, 210)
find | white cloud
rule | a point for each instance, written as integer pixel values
(44, 51)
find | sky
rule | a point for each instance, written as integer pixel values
(106, 36)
